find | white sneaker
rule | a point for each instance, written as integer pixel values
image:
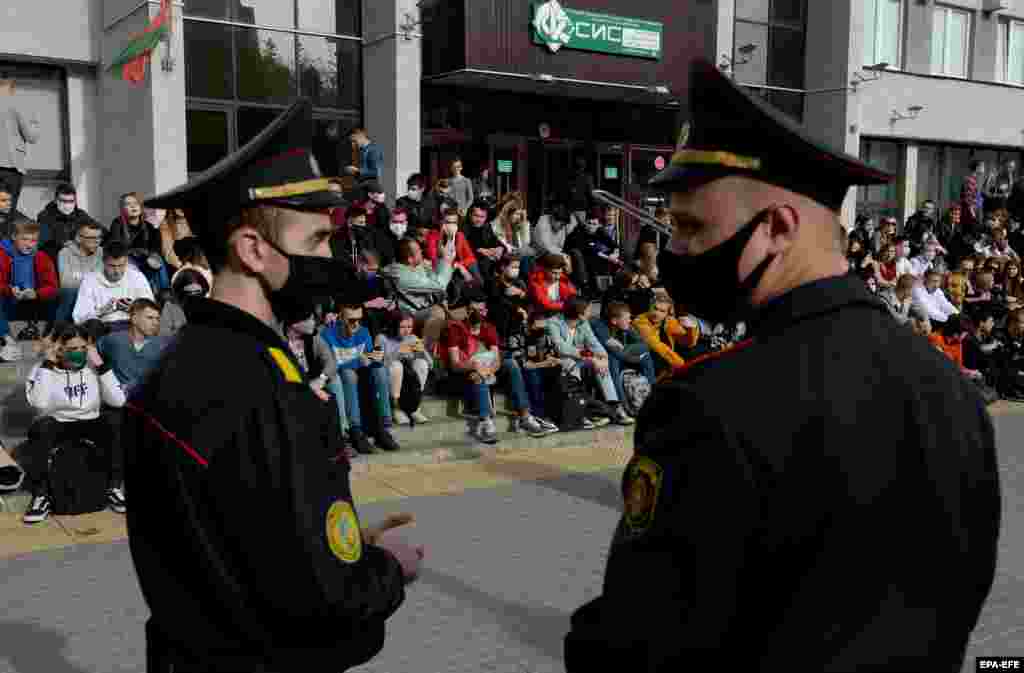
(10, 351)
(419, 417)
(532, 427)
(399, 417)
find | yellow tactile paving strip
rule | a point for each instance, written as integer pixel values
(377, 483)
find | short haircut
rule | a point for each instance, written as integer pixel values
(354, 212)
(65, 188)
(616, 309)
(399, 211)
(416, 180)
(918, 313)
(116, 249)
(70, 331)
(142, 304)
(551, 262)
(88, 224)
(905, 282)
(5, 188)
(973, 166)
(359, 130)
(405, 249)
(982, 313)
(576, 307)
(351, 307)
(931, 273)
(26, 228)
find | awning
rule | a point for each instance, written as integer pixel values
(553, 85)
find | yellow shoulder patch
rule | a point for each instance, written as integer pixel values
(290, 371)
(343, 535)
(641, 488)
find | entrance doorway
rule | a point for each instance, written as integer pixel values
(551, 167)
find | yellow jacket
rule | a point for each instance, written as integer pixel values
(675, 333)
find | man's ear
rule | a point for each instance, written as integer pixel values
(248, 249)
(783, 228)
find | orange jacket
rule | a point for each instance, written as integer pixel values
(675, 332)
(953, 349)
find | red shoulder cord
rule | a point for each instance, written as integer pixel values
(676, 372)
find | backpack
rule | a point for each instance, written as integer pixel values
(566, 402)
(78, 478)
(635, 389)
(412, 394)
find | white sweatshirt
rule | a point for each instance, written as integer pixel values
(72, 395)
(96, 291)
(938, 307)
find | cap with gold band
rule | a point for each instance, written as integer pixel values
(733, 133)
(277, 167)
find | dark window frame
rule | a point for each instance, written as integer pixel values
(773, 25)
(60, 72)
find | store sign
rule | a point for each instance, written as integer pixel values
(611, 173)
(505, 166)
(556, 26)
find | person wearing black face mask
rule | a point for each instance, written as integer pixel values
(774, 424)
(255, 426)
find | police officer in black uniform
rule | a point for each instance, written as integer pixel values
(822, 497)
(245, 539)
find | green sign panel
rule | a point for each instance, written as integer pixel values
(611, 173)
(556, 27)
(504, 165)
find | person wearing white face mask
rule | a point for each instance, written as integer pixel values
(60, 219)
(412, 202)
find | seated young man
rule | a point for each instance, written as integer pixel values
(109, 295)
(981, 349)
(67, 390)
(549, 286)
(900, 299)
(625, 348)
(536, 355)
(930, 297)
(665, 336)
(77, 259)
(580, 350)
(28, 282)
(135, 352)
(353, 349)
(419, 289)
(593, 251)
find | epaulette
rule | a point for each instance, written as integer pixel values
(286, 365)
(670, 374)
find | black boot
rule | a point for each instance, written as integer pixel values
(385, 441)
(359, 442)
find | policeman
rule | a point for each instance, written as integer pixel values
(245, 539)
(821, 497)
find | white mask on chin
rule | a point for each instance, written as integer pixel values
(306, 327)
(399, 229)
(65, 209)
(415, 194)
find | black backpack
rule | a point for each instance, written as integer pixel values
(566, 401)
(411, 394)
(78, 478)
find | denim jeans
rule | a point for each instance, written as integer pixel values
(603, 380)
(516, 384)
(66, 298)
(525, 266)
(616, 367)
(158, 279)
(12, 309)
(350, 391)
(534, 380)
(478, 397)
(339, 397)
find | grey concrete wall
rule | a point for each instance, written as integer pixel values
(392, 70)
(58, 29)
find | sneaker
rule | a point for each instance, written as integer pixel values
(515, 423)
(532, 427)
(39, 510)
(11, 478)
(386, 441)
(10, 351)
(490, 431)
(587, 424)
(600, 421)
(419, 417)
(621, 417)
(482, 432)
(30, 333)
(400, 417)
(115, 498)
(359, 442)
(546, 424)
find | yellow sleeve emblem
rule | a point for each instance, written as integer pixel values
(284, 363)
(343, 534)
(641, 488)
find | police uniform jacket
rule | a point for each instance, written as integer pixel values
(233, 489)
(822, 498)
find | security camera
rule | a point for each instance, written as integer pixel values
(914, 109)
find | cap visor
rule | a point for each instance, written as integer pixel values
(314, 201)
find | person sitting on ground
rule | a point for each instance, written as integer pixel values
(109, 294)
(950, 339)
(927, 260)
(388, 240)
(582, 352)
(487, 249)
(174, 228)
(553, 228)
(412, 202)
(1013, 284)
(354, 351)
(631, 287)
(191, 257)
(508, 297)
(981, 348)
(59, 220)
(648, 234)
(930, 297)
(188, 285)
(471, 347)
(356, 237)
(625, 347)
(77, 259)
(135, 352)
(901, 298)
(28, 282)
(665, 336)
(465, 260)
(401, 347)
(647, 262)
(536, 355)
(67, 390)
(376, 292)
(593, 251)
(420, 290)
(320, 366)
(550, 288)
(512, 228)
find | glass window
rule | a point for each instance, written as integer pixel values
(928, 174)
(207, 132)
(788, 102)
(880, 199)
(266, 65)
(209, 70)
(755, 10)
(1011, 51)
(342, 17)
(252, 121)
(280, 13)
(213, 9)
(883, 31)
(755, 70)
(787, 58)
(790, 12)
(330, 71)
(950, 41)
(39, 95)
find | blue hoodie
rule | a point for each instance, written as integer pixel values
(348, 349)
(23, 268)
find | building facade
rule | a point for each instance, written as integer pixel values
(524, 88)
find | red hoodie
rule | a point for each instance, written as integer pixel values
(463, 253)
(47, 281)
(538, 290)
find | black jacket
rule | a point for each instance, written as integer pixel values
(350, 242)
(227, 575)
(415, 210)
(481, 237)
(810, 495)
(144, 237)
(503, 310)
(56, 228)
(8, 220)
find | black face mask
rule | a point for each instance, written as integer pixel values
(310, 279)
(708, 284)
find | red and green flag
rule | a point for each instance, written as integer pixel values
(130, 64)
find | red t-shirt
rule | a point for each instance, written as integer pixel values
(457, 335)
